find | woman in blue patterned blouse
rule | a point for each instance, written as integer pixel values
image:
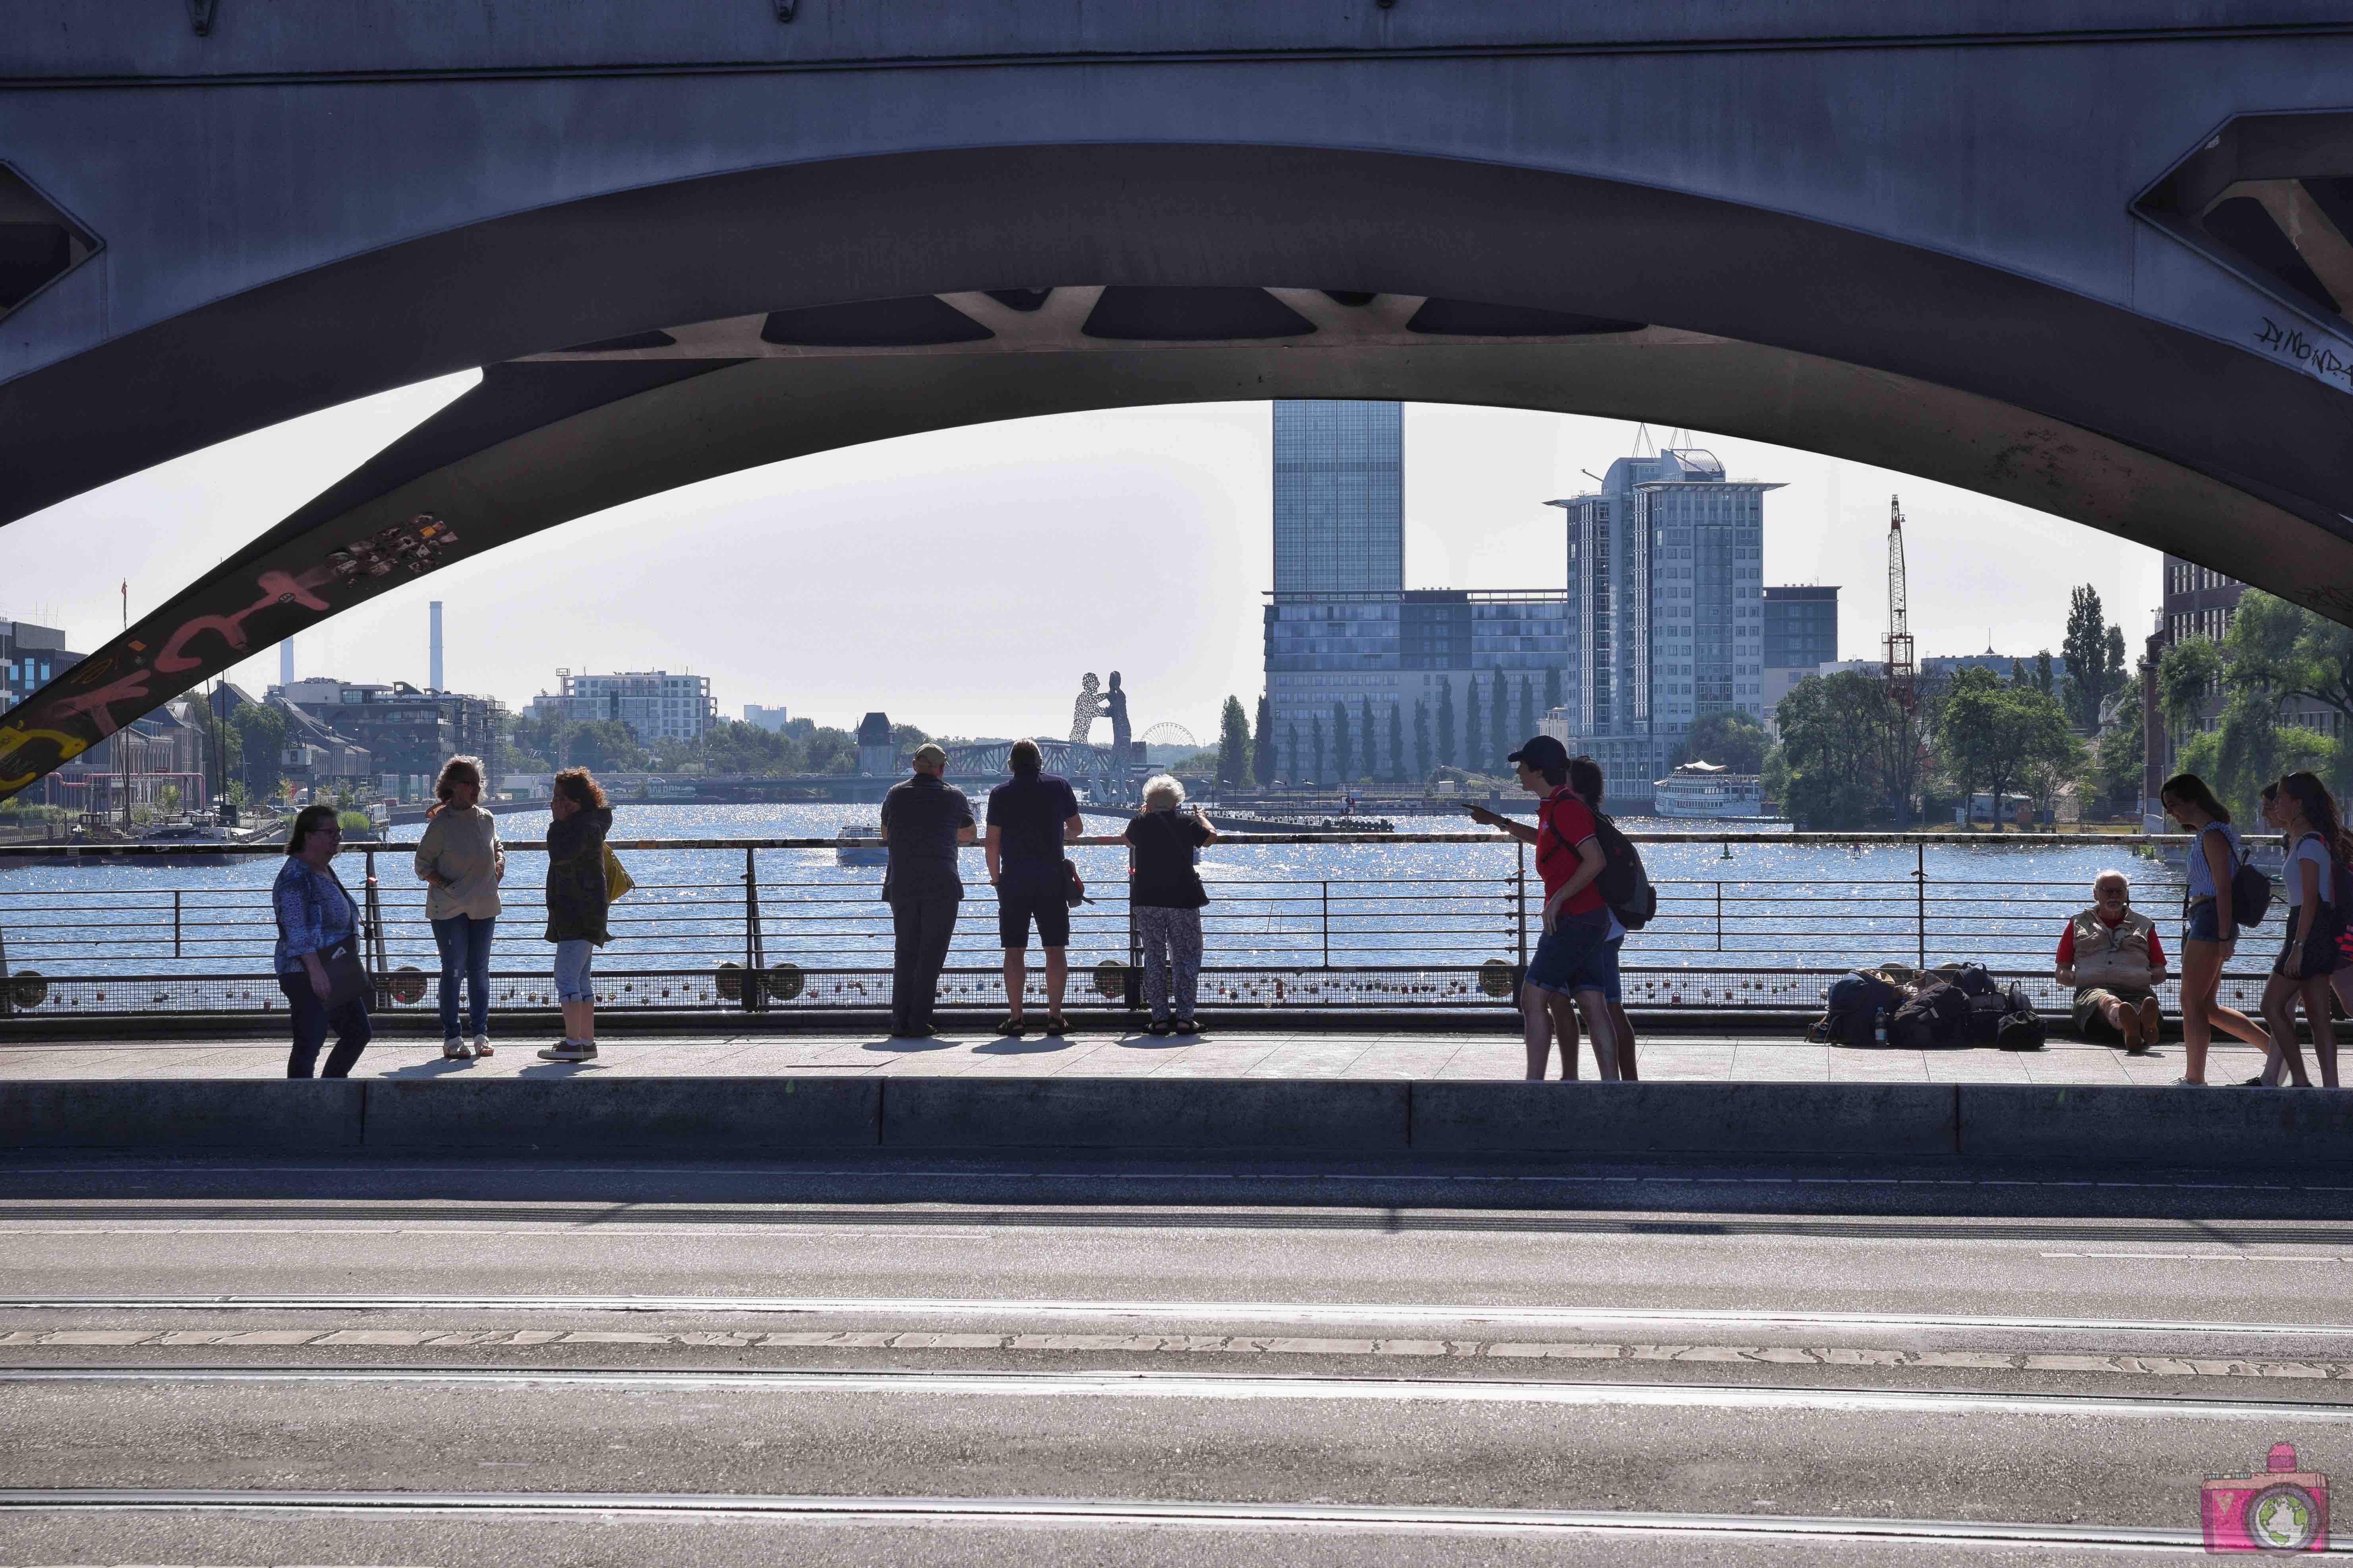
(314, 913)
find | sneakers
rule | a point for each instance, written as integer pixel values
(482, 1045)
(457, 1051)
(570, 1051)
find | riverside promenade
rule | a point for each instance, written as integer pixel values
(1732, 1057)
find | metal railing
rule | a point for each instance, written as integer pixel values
(766, 938)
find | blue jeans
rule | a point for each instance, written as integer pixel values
(465, 947)
(571, 961)
(312, 1022)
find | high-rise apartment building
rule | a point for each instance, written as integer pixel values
(1339, 496)
(1800, 637)
(1666, 611)
(655, 704)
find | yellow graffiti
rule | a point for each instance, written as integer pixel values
(12, 740)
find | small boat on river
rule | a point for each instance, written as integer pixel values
(846, 853)
(1243, 822)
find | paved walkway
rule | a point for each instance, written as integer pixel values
(1101, 1054)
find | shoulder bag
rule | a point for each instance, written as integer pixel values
(617, 880)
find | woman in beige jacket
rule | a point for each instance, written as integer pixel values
(460, 860)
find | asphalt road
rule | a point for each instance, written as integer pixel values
(368, 1363)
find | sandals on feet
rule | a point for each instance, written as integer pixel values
(1054, 1025)
(1158, 1026)
(1010, 1026)
(1188, 1025)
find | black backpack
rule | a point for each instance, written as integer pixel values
(1939, 1015)
(1625, 884)
(2251, 891)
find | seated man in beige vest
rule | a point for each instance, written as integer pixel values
(2110, 954)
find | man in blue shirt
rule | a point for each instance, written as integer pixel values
(1030, 818)
(924, 820)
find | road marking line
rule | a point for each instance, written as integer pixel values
(1287, 1312)
(2114, 1362)
(1091, 1512)
(1101, 1384)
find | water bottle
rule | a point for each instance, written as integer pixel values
(1879, 1026)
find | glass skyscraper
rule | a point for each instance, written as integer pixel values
(1339, 496)
(1666, 611)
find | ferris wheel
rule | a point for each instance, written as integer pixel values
(1167, 734)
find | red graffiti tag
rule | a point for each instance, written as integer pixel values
(276, 588)
(131, 687)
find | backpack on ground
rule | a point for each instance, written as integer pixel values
(2021, 1031)
(1939, 1015)
(1973, 980)
(1625, 884)
(1850, 1005)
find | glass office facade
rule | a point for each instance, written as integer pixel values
(1339, 496)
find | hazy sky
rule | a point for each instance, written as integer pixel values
(964, 581)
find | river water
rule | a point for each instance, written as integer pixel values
(1758, 907)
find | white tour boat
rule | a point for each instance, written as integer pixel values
(1705, 789)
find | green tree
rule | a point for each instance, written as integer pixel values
(1551, 690)
(1447, 757)
(1997, 735)
(830, 750)
(1262, 762)
(1397, 744)
(2043, 674)
(261, 746)
(1290, 749)
(1726, 737)
(1233, 746)
(1421, 753)
(2189, 674)
(1368, 739)
(1500, 742)
(2115, 774)
(1773, 777)
(1852, 753)
(1343, 753)
(1474, 732)
(1528, 724)
(2094, 652)
(1315, 724)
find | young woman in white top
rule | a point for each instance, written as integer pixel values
(2209, 930)
(2308, 956)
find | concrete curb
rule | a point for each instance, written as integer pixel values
(698, 1117)
(1556, 1118)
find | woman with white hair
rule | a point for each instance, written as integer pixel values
(1167, 896)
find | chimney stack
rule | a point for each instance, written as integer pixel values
(436, 682)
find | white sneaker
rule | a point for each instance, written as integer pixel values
(482, 1045)
(457, 1051)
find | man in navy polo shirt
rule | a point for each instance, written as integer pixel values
(923, 821)
(1030, 818)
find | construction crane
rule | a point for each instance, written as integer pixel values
(1902, 673)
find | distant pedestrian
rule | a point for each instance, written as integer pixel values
(2110, 954)
(1572, 954)
(461, 862)
(1585, 777)
(923, 821)
(2308, 956)
(1030, 818)
(1167, 897)
(2209, 931)
(578, 901)
(317, 958)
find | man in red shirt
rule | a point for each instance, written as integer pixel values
(1572, 954)
(2110, 954)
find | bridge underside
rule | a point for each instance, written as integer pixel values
(642, 342)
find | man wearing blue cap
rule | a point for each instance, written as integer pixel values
(1571, 952)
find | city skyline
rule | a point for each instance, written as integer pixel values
(1137, 539)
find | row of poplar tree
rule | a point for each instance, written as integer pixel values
(1348, 745)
